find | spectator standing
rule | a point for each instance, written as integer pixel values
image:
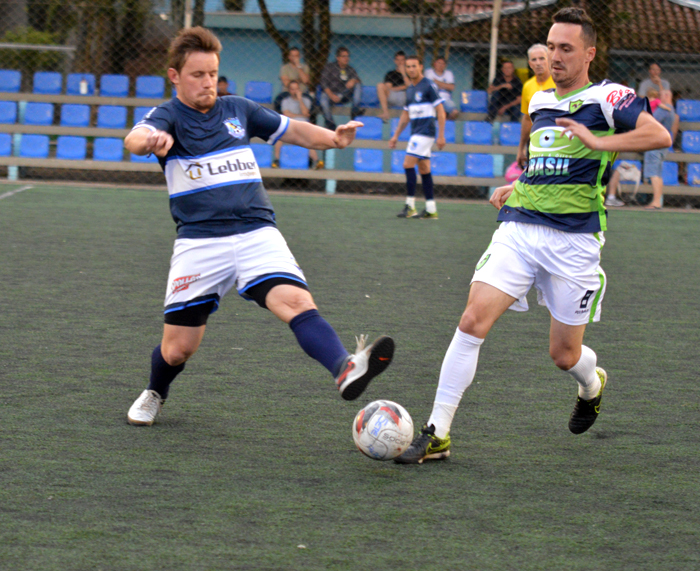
(538, 60)
(654, 160)
(297, 106)
(340, 84)
(222, 87)
(654, 81)
(445, 80)
(423, 105)
(392, 91)
(506, 92)
(294, 70)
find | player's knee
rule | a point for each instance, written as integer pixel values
(471, 324)
(177, 353)
(563, 358)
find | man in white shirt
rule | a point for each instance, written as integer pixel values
(445, 80)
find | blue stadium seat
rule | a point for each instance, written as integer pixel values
(405, 134)
(73, 83)
(690, 141)
(450, 131)
(111, 117)
(369, 96)
(48, 82)
(474, 102)
(478, 133)
(263, 154)
(114, 86)
(10, 80)
(38, 113)
(688, 109)
(34, 146)
(509, 134)
(259, 91)
(669, 173)
(143, 158)
(140, 113)
(232, 87)
(368, 160)
(478, 165)
(108, 149)
(8, 112)
(397, 158)
(150, 86)
(372, 128)
(73, 115)
(694, 174)
(293, 157)
(72, 148)
(5, 144)
(443, 164)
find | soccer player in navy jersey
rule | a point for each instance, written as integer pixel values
(226, 233)
(423, 105)
(552, 231)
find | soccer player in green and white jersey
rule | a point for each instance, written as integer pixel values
(553, 219)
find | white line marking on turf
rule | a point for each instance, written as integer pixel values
(16, 191)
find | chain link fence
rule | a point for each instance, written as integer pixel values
(59, 57)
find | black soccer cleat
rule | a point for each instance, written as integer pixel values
(407, 212)
(367, 362)
(425, 446)
(586, 411)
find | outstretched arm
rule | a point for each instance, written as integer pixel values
(313, 137)
(648, 135)
(143, 141)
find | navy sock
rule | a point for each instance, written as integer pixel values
(427, 180)
(162, 374)
(411, 179)
(319, 340)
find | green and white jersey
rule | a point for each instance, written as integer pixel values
(564, 183)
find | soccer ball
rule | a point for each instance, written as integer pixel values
(382, 430)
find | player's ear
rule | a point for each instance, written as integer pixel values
(590, 54)
(173, 76)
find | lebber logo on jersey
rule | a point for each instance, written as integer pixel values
(181, 284)
(235, 129)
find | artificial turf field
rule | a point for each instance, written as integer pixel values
(252, 457)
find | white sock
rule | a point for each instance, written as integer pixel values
(430, 206)
(411, 201)
(457, 373)
(585, 375)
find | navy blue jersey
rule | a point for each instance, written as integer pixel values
(421, 101)
(213, 179)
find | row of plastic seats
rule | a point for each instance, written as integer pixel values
(441, 164)
(69, 148)
(475, 101)
(669, 172)
(72, 115)
(51, 83)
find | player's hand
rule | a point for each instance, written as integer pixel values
(440, 142)
(159, 143)
(521, 157)
(500, 195)
(345, 134)
(574, 129)
(334, 98)
(392, 142)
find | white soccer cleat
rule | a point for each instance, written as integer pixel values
(359, 369)
(144, 410)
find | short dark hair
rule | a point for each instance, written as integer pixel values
(415, 57)
(292, 81)
(440, 58)
(340, 50)
(400, 53)
(294, 49)
(505, 61)
(190, 40)
(579, 17)
(222, 78)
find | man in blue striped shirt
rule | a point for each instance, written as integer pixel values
(423, 105)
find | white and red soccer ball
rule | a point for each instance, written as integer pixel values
(382, 430)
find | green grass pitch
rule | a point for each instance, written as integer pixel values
(253, 457)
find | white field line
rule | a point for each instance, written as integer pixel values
(16, 191)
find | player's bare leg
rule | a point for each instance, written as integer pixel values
(570, 354)
(318, 339)
(486, 304)
(167, 361)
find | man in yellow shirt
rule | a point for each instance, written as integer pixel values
(538, 60)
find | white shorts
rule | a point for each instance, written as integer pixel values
(564, 267)
(419, 146)
(205, 269)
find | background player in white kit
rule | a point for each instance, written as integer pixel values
(423, 104)
(552, 232)
(227, 235)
